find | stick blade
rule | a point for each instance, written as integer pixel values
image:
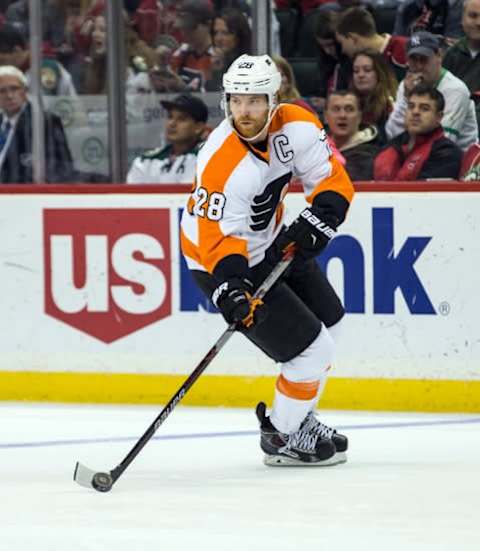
(102, 482)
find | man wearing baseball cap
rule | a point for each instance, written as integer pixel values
(424, 52)
(185, 131)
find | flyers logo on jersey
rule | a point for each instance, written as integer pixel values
(107, 271)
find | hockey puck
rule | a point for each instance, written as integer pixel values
(102, 482)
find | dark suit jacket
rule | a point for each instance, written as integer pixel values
(17, 167)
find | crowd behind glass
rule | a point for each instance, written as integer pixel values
(395, 82)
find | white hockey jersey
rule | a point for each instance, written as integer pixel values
(236, 206)
(161, 166)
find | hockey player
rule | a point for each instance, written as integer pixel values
(232, 235)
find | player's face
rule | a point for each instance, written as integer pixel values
(471, 19)
(181, 128)
(12, 95)
(249, 112)
(364, 74)
(422, 116)
(427, 67)
(343, 116)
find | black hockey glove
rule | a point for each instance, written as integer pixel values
(234, 300)
(311, 232)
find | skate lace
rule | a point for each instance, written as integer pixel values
(312, 424)
(302, 440)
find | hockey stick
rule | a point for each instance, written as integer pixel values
(103, 481)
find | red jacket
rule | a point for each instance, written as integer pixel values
(432, 156)
(396, 51)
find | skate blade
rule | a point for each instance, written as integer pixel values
(341, 457)
(284, 461)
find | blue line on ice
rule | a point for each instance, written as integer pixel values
(76, 441)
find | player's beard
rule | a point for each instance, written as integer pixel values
(250, 127)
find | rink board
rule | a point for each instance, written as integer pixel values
(97, 305)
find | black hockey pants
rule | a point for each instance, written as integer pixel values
(297, 304)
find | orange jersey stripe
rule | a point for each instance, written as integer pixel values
(279, 214)
(297, 391)
(338, 181)
(292, 113)
(188, 248)
(213, 244)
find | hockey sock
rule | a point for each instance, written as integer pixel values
(292, 402)
(335, 332)
(321, 388)
(312, 364)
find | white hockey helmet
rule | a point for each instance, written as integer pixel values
(250, 74)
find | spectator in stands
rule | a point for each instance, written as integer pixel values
(144, 16)
(139, 57)
(161, 77)
(232, 37)
(334, 70)
(66, 15)
(167, 18)
(441, 17)
(288, 92)
(14, 50)
(462, 58)
(16, 156)
(185, 131)
(18, 15)
(425, 65)
(343, 116)
(193, 60)
(356, 30)
(422, 151)
(375, 83)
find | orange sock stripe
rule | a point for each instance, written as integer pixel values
(297, 391)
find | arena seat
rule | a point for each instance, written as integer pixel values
(305, 70)
(288, 21)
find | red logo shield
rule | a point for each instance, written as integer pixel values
(107, 271)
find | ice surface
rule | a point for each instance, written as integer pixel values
(412, 482)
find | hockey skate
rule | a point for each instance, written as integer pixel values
(312, 424)
(303, 447)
